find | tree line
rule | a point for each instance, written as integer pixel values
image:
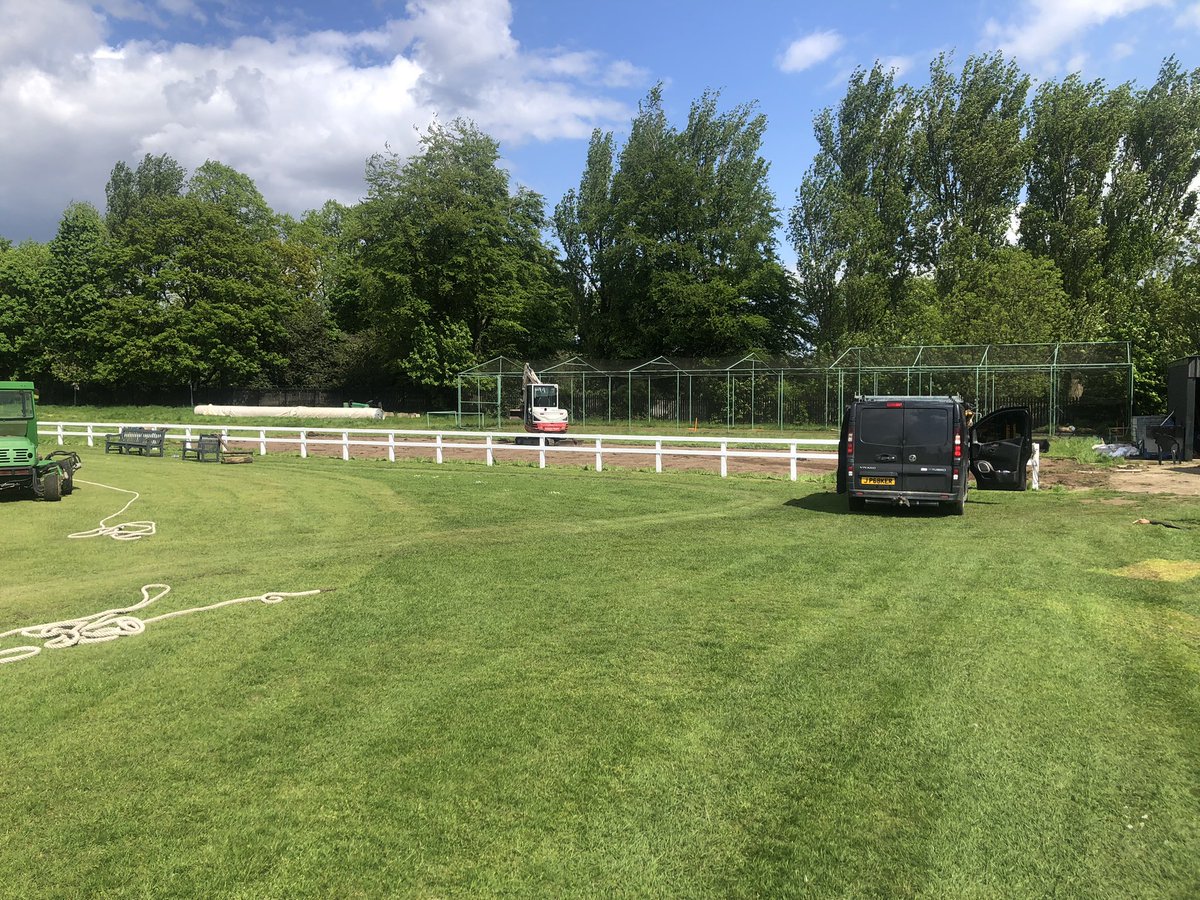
(973, 209)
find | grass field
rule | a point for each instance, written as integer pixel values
(564, 683)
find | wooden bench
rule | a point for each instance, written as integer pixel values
(136, 439)
(205, 448)
(212, 448)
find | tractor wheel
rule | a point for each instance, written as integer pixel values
(52, 485)
(68, 484)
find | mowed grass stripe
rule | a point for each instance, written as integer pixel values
(575, 683)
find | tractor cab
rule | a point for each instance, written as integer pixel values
(18, 426)
(20, 467)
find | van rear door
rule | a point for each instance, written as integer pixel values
(878, 440)
(905, 445)
(1001, 444)
(928, 448)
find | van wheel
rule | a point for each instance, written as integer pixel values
(857, 504)
(957, 507)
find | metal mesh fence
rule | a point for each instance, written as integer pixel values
(1084, 387)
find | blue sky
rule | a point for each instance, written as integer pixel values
(297, 95)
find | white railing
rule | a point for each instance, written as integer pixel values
(486, 443)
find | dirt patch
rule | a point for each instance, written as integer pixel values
(571, 453)
(1172, 570)
(1133, 477)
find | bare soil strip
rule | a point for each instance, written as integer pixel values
(1134, 477)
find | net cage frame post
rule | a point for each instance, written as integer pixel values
(946, 367)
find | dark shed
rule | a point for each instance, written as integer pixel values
(1181, 400)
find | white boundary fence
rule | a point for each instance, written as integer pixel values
(485, 443)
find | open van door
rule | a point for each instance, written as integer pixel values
(1001, 444)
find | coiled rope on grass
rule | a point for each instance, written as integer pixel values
(117, 623)
(126, 531)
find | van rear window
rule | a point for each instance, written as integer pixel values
(926, 426)
(914, 425)
(880, 426)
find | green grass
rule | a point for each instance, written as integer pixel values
(1080, 450)
(564, 683)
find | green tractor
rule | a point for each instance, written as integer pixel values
(21, 469)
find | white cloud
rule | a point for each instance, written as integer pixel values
(1046, 25)
(299, 114)
(1189, 17)
(1077, 62)
(624, 74)
(898, 65)
(1122, 49)
(810, 50)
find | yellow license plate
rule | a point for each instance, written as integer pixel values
(870, 479)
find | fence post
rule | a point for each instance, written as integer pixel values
(439, 448)
(303, 444)
(391, 446)
(658, 456)
(345, 445)
(490, 457)
(792, 448)
(1036, 462)
(90, 436)
(724, 458)
(599, 456)
(542, 451)
(262, 442)
(60, 434)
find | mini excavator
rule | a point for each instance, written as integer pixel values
(540, 410)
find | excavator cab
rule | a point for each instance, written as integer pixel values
(542, 413)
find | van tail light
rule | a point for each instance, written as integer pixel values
(957, 442)
(956, 473)
(895, 404)
(850, 445)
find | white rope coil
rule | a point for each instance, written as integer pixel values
(117, 623)
(126, 531)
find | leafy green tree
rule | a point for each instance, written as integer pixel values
(851, 227)
(324, 266)
(72, 313)
(1149, 216)
(586, 231)
(1012, 297)
(156, 178)
(200, 300)
(674, 250)
(317, 268)
(216, 183)
(445, 250)
(1151, 207)
(1076, 132)
(24, 286)
(969, 159)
